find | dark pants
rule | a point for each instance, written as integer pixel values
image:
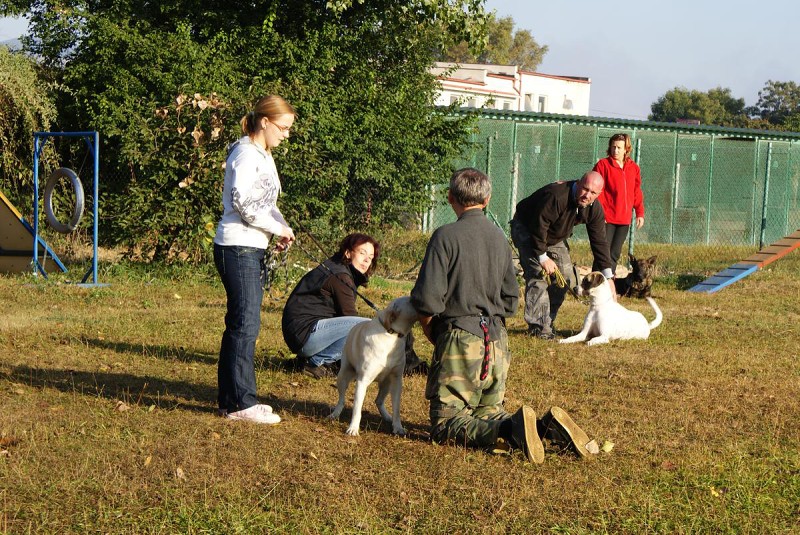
(242, 271)
(615, 236)
(542, 300)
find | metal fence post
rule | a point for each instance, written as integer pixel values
(558, 149)
(675, 189)
(708, 191)
(489, 141)
(514, 185)
(762, 238)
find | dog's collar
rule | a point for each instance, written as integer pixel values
(392, 331)
(389, 329)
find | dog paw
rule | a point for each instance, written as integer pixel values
(352, 432)
(399, 431)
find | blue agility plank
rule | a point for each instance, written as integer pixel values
(725, 278)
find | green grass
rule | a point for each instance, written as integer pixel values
(108, 398)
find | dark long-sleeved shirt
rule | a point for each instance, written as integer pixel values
(551, 213)
(467, 272)
(327, 291)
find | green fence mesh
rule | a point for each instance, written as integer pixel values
(704, 186)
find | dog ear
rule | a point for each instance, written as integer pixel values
(652, 260)
(632, 259)
(393, 315)
(595, 279)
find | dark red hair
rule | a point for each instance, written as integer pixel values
(351, 243)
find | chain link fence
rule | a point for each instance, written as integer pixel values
(716, 188)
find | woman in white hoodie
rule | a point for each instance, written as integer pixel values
(250, 218)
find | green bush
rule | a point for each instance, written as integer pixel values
(367, 143)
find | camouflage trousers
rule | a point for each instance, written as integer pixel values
(464, 409)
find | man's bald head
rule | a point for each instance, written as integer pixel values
(588, 188)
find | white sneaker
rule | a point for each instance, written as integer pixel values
(261, 414)
(224, 413)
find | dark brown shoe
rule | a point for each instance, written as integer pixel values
(536, 332)
(560, 431)
(525, 436)
(317, 372)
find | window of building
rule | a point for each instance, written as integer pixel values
(542, 103)
(528, 101)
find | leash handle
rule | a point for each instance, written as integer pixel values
(486, 349)
(561, 282)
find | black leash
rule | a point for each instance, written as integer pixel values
(308, 254)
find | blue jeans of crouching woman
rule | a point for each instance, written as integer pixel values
(243, 274)
(326, 342)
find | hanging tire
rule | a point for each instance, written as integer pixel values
(77, 212)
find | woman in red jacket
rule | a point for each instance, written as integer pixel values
(622, 192)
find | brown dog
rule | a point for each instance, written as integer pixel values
(639, 280)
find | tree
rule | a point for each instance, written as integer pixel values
(166, 84)
(504, 46)
(26, 106)
(777, 103)
(714, 107)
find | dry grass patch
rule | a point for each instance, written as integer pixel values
(108, 422)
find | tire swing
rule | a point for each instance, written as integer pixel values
(77, 212)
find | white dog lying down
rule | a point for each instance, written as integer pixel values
(608, 320)
(375, 351)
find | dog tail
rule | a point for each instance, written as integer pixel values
(657, 321)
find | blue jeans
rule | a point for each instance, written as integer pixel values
(326, 342)
(243, 274)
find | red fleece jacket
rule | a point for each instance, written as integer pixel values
(622, 191)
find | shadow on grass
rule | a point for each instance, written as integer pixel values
(683, 281)
(179, 354)
(145, 391)
(132, 389)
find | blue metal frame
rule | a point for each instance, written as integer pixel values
(92, 140)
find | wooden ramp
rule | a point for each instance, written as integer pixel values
(16, 243)
(740, 270)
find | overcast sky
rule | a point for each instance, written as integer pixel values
(11, 28)
(635, 51)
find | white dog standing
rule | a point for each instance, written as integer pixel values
(608, 320)
(375, 351)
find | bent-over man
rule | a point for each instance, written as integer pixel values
(541, 225)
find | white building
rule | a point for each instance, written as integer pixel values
(505, 87)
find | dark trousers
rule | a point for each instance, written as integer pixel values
(615, 236)
(542, 300)
(242, 271)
